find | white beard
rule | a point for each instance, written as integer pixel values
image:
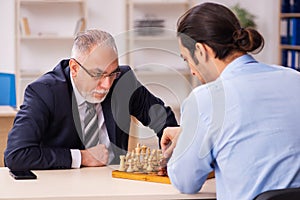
(89, 97)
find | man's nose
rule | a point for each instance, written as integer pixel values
(105, 83)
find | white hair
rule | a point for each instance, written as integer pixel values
(85, 42)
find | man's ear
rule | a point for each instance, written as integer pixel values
(200, 48)
(73, 67)
(205, 50)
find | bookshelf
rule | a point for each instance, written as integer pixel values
(44, 35)
(289, 18)
(152, 51)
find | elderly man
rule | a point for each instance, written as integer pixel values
(79, 114)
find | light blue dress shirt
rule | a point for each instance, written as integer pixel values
(246, 126)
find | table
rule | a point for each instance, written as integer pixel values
(91, 183)
(7, 116)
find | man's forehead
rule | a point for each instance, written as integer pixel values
(102, 57)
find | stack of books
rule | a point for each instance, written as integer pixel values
(149, 26)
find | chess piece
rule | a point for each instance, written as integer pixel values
(138, 160)
(149, 168)
(162, 169)
(154, 158)
(144, 147)
(145, 163)
(138, 148)
(135, 168)
(132, 154)
(122, 163)
(130, 169)
(159, 154)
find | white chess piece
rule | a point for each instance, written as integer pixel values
(129, 169)
(122, 163)
(135, 168)
(145, 163)
(149, 168)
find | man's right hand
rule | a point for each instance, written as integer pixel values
(96, 156)
(169, 140)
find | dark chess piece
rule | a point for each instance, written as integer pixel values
(162, 169)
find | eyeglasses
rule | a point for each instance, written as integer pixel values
(99, 75)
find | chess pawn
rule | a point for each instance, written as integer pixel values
(135, 168)
(129, 169)
(138, 160)
(154, 158)
(149, 168)
(122, 163)
(145, 163)
(127, 157)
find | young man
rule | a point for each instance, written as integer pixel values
(243, 122)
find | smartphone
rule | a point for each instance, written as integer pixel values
(21, 175)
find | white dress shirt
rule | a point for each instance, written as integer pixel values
(245, 126)
(103, 135)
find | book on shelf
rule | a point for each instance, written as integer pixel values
(80, 25)
(24, 26)
(295, 31)
(290, 6)
(291, 59)
(285, 31)
(285, 6)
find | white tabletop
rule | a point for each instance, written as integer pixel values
(91, 183)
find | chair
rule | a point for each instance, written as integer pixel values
(280, 194)
(7, 89)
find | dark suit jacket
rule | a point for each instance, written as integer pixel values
(47, 125)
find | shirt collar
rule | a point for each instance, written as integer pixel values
(237, 63)
(80, 100)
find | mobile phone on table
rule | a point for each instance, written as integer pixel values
(22, 175)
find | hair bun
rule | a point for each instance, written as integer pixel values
(248, 40)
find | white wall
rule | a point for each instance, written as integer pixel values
(110, 16)
(7, 36)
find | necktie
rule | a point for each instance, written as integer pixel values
(91, 131)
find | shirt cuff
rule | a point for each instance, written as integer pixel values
(76, 158)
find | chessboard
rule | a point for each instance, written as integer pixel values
(150, 177)
(144, 165)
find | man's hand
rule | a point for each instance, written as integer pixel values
(169, 139)
(96, 156)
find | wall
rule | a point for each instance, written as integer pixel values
(7, 39)
(107, 16)
(111, 17)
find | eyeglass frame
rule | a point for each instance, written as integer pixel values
(100, 75)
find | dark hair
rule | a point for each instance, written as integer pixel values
(217, 26)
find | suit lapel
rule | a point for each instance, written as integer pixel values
(109, 120)
(75, 112)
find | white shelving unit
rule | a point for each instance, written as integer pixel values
(52, 25)
(152, 51)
